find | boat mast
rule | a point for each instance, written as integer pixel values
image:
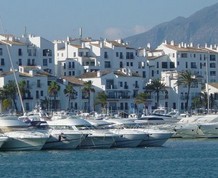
(13, 70)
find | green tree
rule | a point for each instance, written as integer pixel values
(187, 79)
(88, 89)
(141, 98)
(10, 90)
(6, 104)
(23, 88)
(53, 90)
(156, 87)
(69, 92)
(101, 99)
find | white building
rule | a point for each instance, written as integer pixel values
(26, 51)
(121, 87)
(201, 61)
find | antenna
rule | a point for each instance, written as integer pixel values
(13, 70)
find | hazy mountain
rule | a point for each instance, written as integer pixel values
(199, 28)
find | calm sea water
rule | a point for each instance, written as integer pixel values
(178, 158)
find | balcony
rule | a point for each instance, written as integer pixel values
(117, 95)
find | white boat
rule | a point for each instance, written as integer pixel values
(189, 127)
(130, 137)
(3, 139)
(210, 129)
(62, 136)
(93, 138)
(24, 140)
(20, 135)
(156, 137)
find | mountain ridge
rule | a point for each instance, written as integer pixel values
(199, 28)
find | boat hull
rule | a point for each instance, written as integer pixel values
(63, 140)
(24, 141)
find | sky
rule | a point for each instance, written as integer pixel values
(112, 19)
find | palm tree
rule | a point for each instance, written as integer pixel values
(156, 86)
(69, 91)
(53, 89)
(88, 89)
(10, 90)
(22, 87)
(6, 102)
(101, 98)
(186, 78)
(141, 98)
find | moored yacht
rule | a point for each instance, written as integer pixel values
(3, 139)
(20, 135)
(63, 136)
(156, 137)
(130, 137)
(189, 127)
(25, 140)
(210, 129)
(93, 138)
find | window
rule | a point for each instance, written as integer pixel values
(38, 84)
(33, 62)
(212, 57)
(144, 74)
(184, 55)
(105, 55)
(50, 60)
(1, 52)
(121, 55)
(172, 65)
(186, 64)
(80, 54)
(20, 62)
(41, 93)
(69, 73)
(37, 94)
(212, 65)
(109, 84)
(73, 65)
(129, 55)
(193, 65)
(126, 106)
(2, 61)
(157, 64)
(121, 84)
(131, 63)
(46, 52)
(107, 64)
(64, 66)
(19, 52)
(69, 65)
(121, 64)
(127, 64)
(45, 62)
(164, 65)
(117, 54)
(29, 52)
(74, 54)
(28, 62)
(212, 73)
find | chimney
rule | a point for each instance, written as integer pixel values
(172, 43)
